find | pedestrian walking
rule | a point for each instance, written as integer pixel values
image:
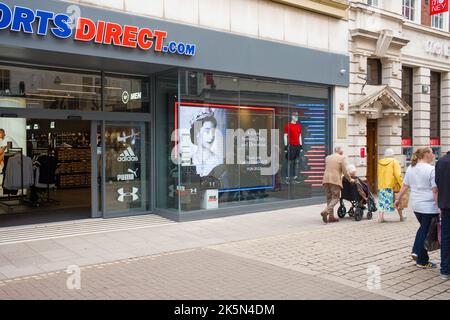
(335, 169)
(443, 185)
(389, 178)
(420, 179)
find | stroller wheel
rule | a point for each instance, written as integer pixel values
(342, 212)
(369, 215)
(359, 214)
(351, 212)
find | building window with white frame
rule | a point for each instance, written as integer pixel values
(409, 9)
(437, 21)
(440, 21)
(373, 3)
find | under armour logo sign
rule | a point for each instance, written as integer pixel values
(123, 194)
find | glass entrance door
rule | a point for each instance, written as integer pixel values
(124, 186)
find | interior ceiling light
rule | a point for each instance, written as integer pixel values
(88, 86)
(49, 95)
(66, 91)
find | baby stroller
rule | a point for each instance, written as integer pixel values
(359, 195)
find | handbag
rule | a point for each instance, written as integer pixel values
(432, 240)
(405, 200)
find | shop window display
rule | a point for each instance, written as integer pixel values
(238, 141)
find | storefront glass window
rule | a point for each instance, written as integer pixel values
(407, 121)
(435, 105)
(45, 89)
(126, 94)
(236, 141)
(435, 113)
(166, 169)
(127, 160)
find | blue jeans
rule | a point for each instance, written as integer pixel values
(445, 242)
(421, 236)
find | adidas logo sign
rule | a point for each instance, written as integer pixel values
(128, 156)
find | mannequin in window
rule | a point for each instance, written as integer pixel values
(293, 146)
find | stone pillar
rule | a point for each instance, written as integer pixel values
(358, 74)
(392, 74)
(357, 127)
(445, 112)
(390, 136)
(389, 128)
(421, 108)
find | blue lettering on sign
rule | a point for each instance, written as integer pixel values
(5, 16)
(190, 49)
(181, 48)
(40, 22)
(62, 23)
(44, 18)
(23, 19)
(173, 47)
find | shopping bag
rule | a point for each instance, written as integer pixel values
(404, 202)
(432, 240)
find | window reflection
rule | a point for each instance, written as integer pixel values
(43, 89)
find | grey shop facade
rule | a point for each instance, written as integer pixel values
(179, 121)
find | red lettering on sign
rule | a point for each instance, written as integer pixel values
(112, 33)
(144, 37)
(100, 31)
(438, 6)
(129, 38)
(85, 30)
(160, 36)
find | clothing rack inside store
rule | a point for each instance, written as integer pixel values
(10, 201)
(49, 153)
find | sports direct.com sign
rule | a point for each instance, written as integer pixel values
(438, 6)
(62, 26)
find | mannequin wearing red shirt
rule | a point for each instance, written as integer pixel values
(293, 147)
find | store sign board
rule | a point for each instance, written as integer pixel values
(438, 6)
(435, 142)
(128, 195)
(41, 23)
(438, 48)
(406, 142)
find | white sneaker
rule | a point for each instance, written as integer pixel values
(444, 276)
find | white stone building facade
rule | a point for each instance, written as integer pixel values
(399, 95)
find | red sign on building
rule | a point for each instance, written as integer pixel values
(435, 142)
(406, 142)
(438, 6)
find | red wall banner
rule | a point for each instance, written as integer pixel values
(438, 6)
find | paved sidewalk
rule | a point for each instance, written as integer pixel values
(188, 275)
(286, 254)
(353, 254)
(33, 257)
